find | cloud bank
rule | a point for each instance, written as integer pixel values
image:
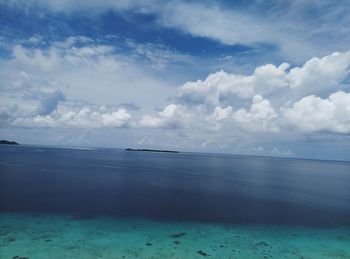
(42, 85)
(310, 98)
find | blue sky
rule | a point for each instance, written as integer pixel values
(244, 77)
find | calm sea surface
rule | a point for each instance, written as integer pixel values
(40, 184)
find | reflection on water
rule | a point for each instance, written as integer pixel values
(207, 188)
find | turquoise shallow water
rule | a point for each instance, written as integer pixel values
(62, 236)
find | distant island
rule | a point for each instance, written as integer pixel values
(6, 142)
(151, 150)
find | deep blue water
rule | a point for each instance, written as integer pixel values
(167, 186)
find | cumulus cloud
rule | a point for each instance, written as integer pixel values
(313, 113)
(81, 83)
(279, 99)
(318, 75)
(259, 118)
(222, 113)
(172, 116)
(215, 88)
(270, 99)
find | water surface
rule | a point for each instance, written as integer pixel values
(108, 203)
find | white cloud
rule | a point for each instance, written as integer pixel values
(214, 22)
(297, 36)
(215, 88)
(259, 149)
(318, 75)
(281, 152)
(313, 113)
(219, 103)
(274, 151)
(79, 83)
(172, 116)
(259, 118)
(222, 113)
(51, 78)
(83, 118)
(78, 68)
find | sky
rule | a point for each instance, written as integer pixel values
(269, 78)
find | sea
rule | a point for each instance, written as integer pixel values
(112, 203)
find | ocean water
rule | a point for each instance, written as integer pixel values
(105, 203)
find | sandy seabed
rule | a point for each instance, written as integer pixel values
(25, 235)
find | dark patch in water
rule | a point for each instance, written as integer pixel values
(176, 242)
(177, 235)
(148, 244)
(263, 244)
(202, 253)
(73, 247)
(40, 237)
(48, 240)
(10, 239)
(340, 237)
(19, 257)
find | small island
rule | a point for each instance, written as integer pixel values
(151, 150)
(6, 142)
